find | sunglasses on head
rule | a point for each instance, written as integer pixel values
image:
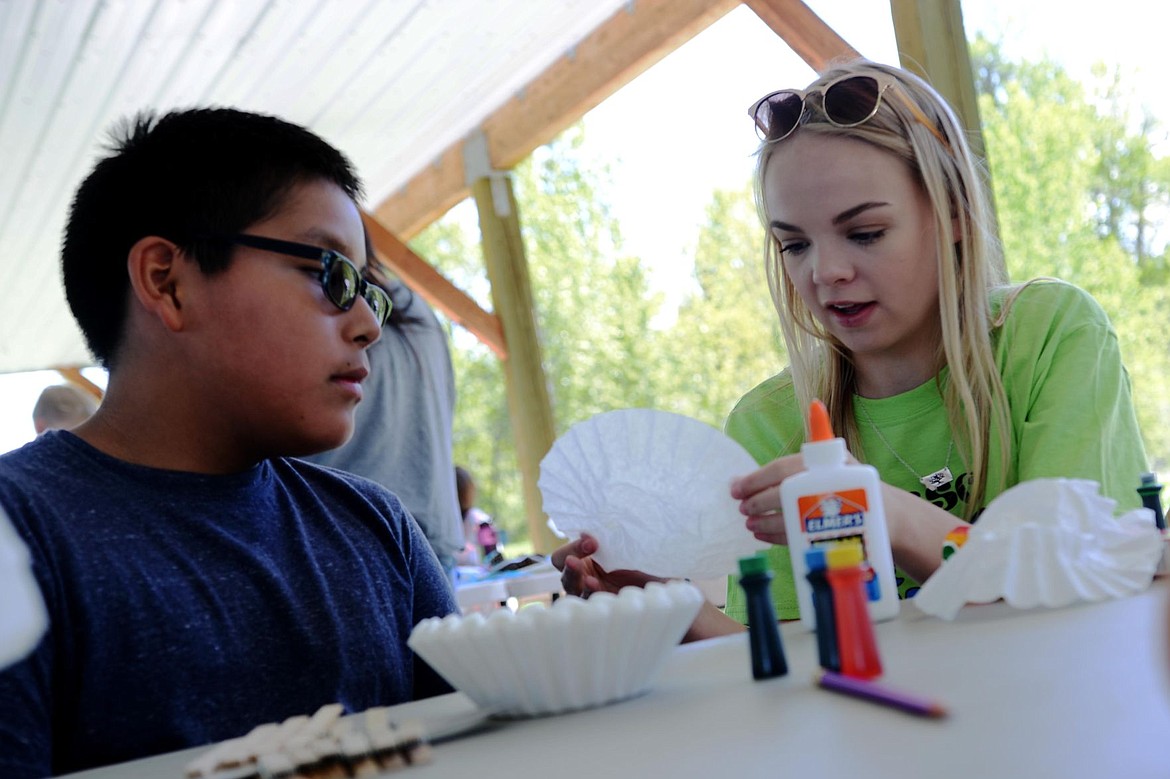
(341, 280)
(847, 101)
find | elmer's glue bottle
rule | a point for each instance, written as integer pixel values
(833, 501)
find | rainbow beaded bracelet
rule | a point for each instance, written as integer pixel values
(954, 540)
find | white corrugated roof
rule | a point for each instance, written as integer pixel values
(392, 83)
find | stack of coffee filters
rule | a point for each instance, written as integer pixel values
(574, 654)
(1047, 542)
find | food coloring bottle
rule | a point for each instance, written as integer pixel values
(1151, 494)
(833, 501)
(763, 631)
(822, 599)
(856, 644)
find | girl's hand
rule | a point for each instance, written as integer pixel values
(758, 494)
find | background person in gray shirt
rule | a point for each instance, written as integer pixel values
(402, 432)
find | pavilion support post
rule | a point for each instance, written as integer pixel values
(933, 44)
(526, 385)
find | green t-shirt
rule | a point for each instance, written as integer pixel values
(1070, 409)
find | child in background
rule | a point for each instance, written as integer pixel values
(62, 407)
(477, 523)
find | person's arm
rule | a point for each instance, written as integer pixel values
(582, 576)
(433, 597)
(25, 721)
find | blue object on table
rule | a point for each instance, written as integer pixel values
(822, 600)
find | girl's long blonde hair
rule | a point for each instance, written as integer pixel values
(970, 265)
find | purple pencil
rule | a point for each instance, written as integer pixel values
(871, 691)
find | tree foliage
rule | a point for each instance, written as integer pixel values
(1081, 194)
(593, 308)
(727, 337)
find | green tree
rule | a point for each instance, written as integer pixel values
(593, 308)
(1132, 185)
(1078, 190)
(727, 335)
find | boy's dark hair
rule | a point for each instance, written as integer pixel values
(184, 176)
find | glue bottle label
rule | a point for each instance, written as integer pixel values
(835, 517)
(833, 512)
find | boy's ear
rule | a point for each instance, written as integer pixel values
(156, 272)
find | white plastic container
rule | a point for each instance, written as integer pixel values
(834, 501)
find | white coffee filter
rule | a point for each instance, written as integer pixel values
(22, 612)
(654, 489)
(572, 655)
(1047, 542)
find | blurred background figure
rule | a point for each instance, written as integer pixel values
(477, 523)
(62, 406)
(402, 427)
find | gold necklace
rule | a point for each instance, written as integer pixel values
(931, 481)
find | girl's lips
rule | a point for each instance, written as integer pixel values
(851, 314)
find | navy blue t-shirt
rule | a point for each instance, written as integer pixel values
(185, 608)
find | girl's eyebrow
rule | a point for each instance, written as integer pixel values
(844, 216)
(849, 213)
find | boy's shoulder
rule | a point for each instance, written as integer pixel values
(58, 472)
(47, 457)
(327, 477)
(339, 486)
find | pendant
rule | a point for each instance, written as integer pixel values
(938, 479)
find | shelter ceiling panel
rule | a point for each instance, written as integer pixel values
(392, 83)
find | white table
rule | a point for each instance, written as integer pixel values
(492, 592)
(1076, 692)
(528, 584)
(487, 594)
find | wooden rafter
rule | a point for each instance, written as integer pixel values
(805, 33)
(74, 376)
(617, 52)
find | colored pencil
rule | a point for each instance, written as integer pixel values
(871, 691)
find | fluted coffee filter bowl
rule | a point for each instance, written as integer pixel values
(574, 654)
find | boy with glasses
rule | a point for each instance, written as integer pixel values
(199, 581)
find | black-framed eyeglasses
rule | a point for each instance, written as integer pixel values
(341, 280)
(847, 101)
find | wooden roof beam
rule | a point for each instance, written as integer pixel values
(616, 53)
(75, 376)
(805, 33)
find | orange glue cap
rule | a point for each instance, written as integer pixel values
(818, 422)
